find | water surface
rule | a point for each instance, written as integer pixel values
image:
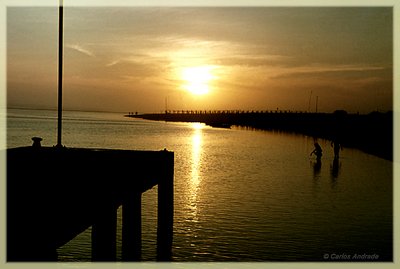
(240, 195)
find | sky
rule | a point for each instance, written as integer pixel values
(148, 59)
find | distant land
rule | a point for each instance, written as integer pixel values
(371, 133)
(64, 109)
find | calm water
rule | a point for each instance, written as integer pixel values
(240, 195)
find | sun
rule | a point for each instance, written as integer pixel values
(197, 79)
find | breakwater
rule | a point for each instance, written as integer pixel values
(371, 133)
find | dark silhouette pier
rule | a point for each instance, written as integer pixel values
(372, 133)
(53, 194)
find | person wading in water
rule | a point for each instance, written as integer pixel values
(317, 151)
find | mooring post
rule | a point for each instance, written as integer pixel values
(104, 234)
(165, 208)
(132, 226)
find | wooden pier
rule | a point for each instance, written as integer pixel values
(54, 194)
(372, 133)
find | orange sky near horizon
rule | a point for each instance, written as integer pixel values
(264, 58)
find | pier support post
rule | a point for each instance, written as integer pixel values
(104, 234)
(165, 209)
(132, 226)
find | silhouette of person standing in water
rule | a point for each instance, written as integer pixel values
(317, 151)
(336, 147)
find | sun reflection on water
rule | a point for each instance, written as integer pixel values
(195, 176)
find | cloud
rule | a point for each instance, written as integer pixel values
(320, 71)
(113, 63)
(80, 49)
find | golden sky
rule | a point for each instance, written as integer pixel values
(253, 58)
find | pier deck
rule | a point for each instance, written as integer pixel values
(53, 194)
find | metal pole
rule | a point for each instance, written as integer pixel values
(60, 73)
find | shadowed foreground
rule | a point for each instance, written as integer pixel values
(53, 194)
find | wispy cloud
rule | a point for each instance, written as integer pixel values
(113, 63)
(325, 70)
(80, 49)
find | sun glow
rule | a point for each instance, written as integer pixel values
(197, 79)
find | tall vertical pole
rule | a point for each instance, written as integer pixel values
(60, 73)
